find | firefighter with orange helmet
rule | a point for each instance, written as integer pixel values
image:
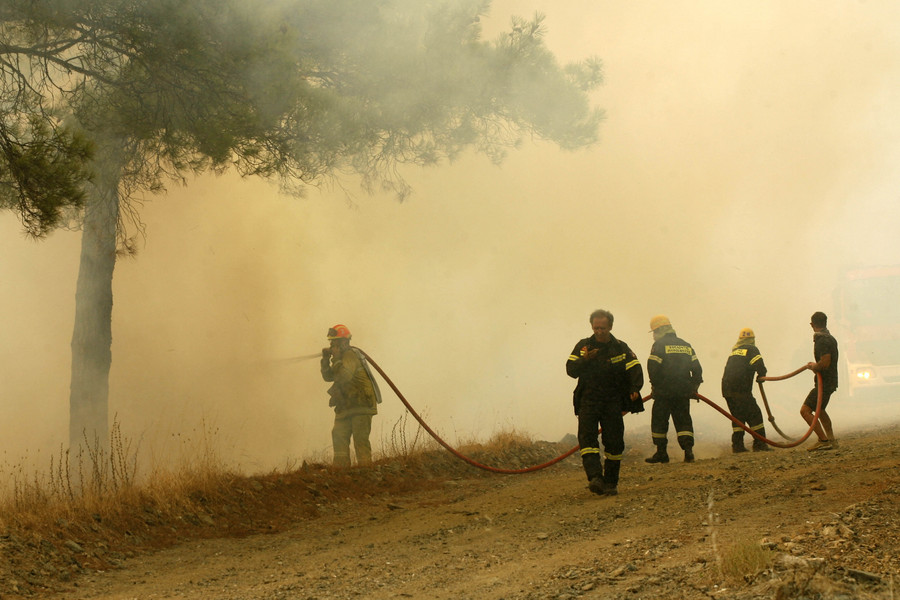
(354, 396)
(744, 362)
(675, 375)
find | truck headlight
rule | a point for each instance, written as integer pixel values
(864, 374)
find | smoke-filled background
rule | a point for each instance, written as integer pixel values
(749, 152)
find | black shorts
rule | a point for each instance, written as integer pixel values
(813, 398)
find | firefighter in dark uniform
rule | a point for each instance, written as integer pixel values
(744, 362)
(675, 376)
(610, 378)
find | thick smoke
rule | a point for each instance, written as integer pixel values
(747, 155)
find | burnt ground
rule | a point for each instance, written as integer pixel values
(782, 524)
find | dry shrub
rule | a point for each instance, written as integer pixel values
(744, 559)
(404, 445)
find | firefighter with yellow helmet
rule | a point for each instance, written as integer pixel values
(354, 396)
(675, 375)
(744, 364)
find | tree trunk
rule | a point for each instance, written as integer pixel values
(92, 337)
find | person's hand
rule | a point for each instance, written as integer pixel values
(590, 354)
(811, 366)
(637, 403)
(326, 352)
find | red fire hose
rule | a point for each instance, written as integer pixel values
(793, 442)
(452, 450)
(572, 451)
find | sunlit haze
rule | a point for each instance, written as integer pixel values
(749, 151)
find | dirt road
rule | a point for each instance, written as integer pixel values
(826, 522)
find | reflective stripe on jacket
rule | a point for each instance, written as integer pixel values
(742, 364)
(673, 368)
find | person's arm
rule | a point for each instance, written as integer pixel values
(821, 365)
(654, 364)
(345, 368)
(696, 371)
(325, 365)
(759, 365)
(635, 373)
(577, 361)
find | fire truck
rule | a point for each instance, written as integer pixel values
(867, 311)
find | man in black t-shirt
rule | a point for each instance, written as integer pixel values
(825, 351)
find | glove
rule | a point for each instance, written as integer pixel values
(632, 406)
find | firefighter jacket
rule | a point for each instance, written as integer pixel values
(744, 361)
(673, 368)
(353, 392)
(611, 376)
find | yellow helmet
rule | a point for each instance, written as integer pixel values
(746, 332)
(658, 321)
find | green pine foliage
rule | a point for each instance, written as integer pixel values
(297, 90)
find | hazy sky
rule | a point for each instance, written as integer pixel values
(748, 152)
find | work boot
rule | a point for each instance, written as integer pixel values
(739, 449)
(762, 448)
(597, 486)
(610, 490)
(688, 455)
(820, 445)
(660, 457)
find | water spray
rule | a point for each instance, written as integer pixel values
(294, 359)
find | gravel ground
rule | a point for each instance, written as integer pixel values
(782, 524)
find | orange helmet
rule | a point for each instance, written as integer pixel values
(339, 332)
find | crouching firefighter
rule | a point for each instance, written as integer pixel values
(744, 364)
(610, 378)
(354, 396)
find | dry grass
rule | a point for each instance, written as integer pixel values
(105, 484)
(745, 558)
(504, 439)
(739, 561)
(94, 480)
(102, 483)
(95, 507)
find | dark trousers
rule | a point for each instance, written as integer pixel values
(607, 417)
(679, 409)
(744, 408)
